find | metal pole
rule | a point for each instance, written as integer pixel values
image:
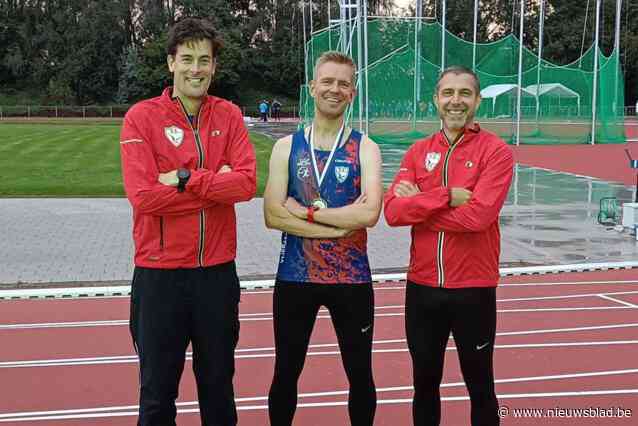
(474, 38)
(443, 12)
(329, 29)
(595, 85)
(417, 62)
(617, 50)
(541, 22)
(310, 10)
(359, 62)
(365, 53)
(305, 44)
(520, 73)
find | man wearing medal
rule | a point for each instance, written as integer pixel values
(324, 189)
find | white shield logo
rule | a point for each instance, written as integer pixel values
(431, 160)
(175, 135)
(303, 168)
(341, 172)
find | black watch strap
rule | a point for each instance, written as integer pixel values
(183, 175)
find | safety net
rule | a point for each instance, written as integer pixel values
(394, 100)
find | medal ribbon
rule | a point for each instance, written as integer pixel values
(332, 151)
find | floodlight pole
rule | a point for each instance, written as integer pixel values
(595, 85)
(520, 74)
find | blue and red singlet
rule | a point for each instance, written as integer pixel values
(317, 260)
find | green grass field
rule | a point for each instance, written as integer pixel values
(76, 160)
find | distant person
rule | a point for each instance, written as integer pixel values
(186, 160)
(450, 189)
(276, 110)
(263, 110)
(324, 189)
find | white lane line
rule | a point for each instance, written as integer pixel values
(327, 393)
(267, 316)
(612, 299)
(606, 392)
(532, 284)
(335, 404)
(590, 308)
(268, 352)
(567, 296)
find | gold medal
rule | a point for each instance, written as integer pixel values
(319, 203)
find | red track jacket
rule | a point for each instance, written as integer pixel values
(453, 247)
(196, 227)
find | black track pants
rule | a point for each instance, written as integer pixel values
(295, 307)
(169, 310)
(470, 315)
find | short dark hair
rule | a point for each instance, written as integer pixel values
(192, 29)
(458, 70)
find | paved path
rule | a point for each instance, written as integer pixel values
(89, 240)
(550, 218)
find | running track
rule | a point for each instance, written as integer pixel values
(564, 341)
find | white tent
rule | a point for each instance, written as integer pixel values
(556, 90)
(495, 90)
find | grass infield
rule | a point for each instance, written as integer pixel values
(76, 160)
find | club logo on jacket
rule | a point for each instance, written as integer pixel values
(175, 135)
(431, 160)
(341, 173)
(303, 168)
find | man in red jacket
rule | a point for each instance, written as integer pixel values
(186, 160)
(450, 189)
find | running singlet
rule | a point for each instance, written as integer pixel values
(339, 260)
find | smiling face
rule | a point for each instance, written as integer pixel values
(457, 100)
(332, 89)
(193, 67)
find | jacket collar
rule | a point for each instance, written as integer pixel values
(469, 132)
(167, 96)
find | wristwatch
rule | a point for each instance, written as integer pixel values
(182, 176)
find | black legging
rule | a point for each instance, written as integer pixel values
(431, 313)
(295, 307)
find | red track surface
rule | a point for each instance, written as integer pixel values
(607, 162)
(564, 341)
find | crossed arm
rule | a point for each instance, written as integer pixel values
(286, 214)
(152, 192)
(452, 209)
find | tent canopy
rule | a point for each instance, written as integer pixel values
(552, 89)
(496, 90)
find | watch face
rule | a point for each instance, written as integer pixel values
(183, 173)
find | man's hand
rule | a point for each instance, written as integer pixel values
(459, 196)
(169, 178)
(225, 169)
(406, 189)
(296, 209)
